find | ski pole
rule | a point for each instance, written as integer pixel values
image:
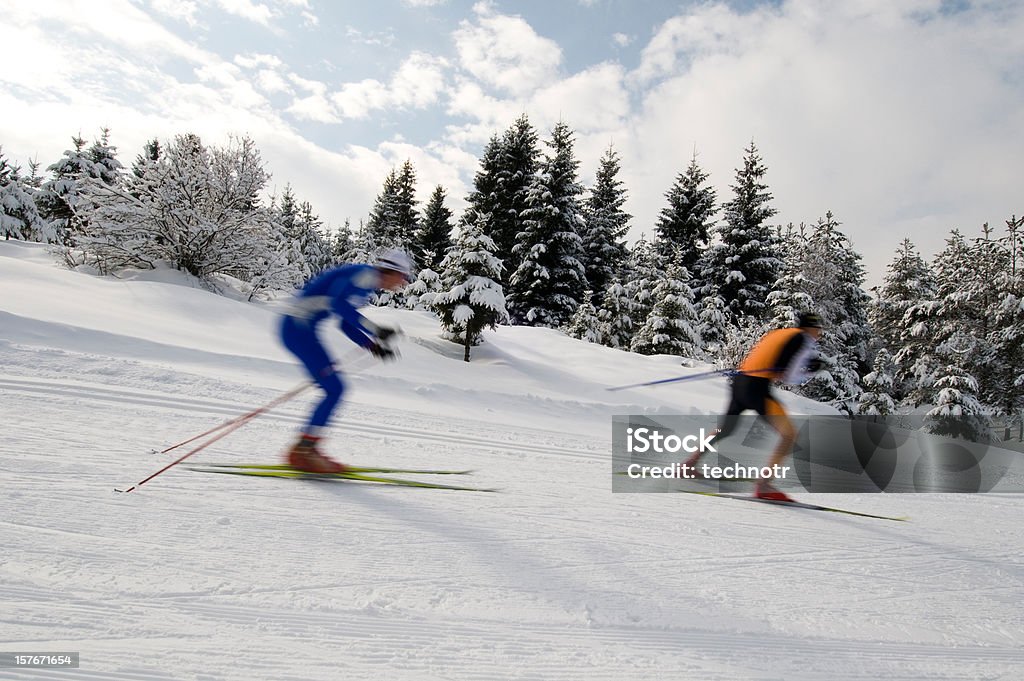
(706, 374)
(256, 412)
(225, 429)
(677, 379)
(244, 417)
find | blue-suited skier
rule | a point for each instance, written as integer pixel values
(340, 291)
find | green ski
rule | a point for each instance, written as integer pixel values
(337, 477)
(351, 469)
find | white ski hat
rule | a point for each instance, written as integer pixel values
(395, 260)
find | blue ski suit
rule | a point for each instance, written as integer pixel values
(340, 291)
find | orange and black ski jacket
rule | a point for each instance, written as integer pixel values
(781, 355)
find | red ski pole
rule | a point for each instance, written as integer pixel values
(244, 417)
(256, 412)
(225, 428)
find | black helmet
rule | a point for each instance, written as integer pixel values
(809, 320)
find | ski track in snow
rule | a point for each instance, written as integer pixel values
(210, 577)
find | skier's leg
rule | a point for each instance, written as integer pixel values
(780, 421)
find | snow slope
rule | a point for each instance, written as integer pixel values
(199, 576)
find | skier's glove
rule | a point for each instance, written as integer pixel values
(814, 366)
(382, 352)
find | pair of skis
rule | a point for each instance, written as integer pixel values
(366, 474)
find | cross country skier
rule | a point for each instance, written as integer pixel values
(340, 291)
(787, 356)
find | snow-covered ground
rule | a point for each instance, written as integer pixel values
(197, 576)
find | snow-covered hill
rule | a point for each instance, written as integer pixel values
(199, 576)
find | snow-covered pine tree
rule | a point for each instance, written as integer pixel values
(644, 272)
(342, 244)
(421, 293)
(585, 324)
(684, 225)
(712, 313)
(957, 412)
(316, 245)
(408, 214)
(901, 318)
(606, 225)
(616, 316)
(393, 219)
(1006, 391)
(742, 266)
(19, 217)
(482, 201)
(471, 299)
(103, 156)
(550, 282)
(151, 152)
(434, 237)
(672, 326)
(823, 274)
(58, 198)
(876, 399)
(518, 161)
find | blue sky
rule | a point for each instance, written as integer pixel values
(903, 118)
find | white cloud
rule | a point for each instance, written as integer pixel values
(417, 83)
(424, 3)
(354, 35)
(247, 9)
(622, 40)
(252, 60)
(181, 10)
(505, 52)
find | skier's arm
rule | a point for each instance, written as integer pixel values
(795, 357)
(345, 302)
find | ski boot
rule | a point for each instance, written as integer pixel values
(765, 491)
(306, 457)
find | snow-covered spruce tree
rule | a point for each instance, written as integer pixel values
(606, 225)
(58, 198)
(421, 293)
(616, 316)
(196, 208)
(550, 282)
(684, 225)
(434, 237)
(957, 412)
(1006, 391)
(742, 266)
(824, 274)
(316, 245)
(585, 324)
(471, 299)
(876, 399)
(672, 326)
(364, 245)
(302, 237)
(342, 244)
(482, 202)
(518, 161)
(19, 217)
(712, 313)
(644, 272)
(394, 220)
(901, 316)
